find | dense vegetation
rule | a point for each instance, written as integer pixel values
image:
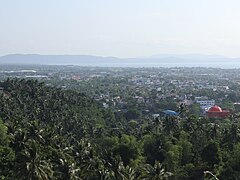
(50, 133)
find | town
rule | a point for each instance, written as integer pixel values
(144, 92)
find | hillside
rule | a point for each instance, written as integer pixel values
(46, 125)
(50, 133)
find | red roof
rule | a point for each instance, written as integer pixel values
(215, 109)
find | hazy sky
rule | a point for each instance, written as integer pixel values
(122, 28)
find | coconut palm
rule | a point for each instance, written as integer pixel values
(31, 166)
(156, 172)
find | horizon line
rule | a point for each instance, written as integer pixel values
(142, 57)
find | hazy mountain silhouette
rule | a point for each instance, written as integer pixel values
(53, 59)
(87, 59)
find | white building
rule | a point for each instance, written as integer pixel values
(205, 104)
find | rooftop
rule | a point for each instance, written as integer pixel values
(215, 109)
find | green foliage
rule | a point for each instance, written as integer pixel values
(50, 133)
(6, 153)
(132, 114)
(231, 168)
(128, 149)
(153, 148)
(211, 154)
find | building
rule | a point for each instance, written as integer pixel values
(204, 102)
(168, 113)
(217, 112)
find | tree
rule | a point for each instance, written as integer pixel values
(156, 172)
(211, 154)
(6, 153)
(31, 166)
(128, 149)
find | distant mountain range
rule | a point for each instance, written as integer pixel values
(24, 59)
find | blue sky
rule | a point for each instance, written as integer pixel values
(122, 28)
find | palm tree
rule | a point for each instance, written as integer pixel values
(170, 125)
(31, 166)
(116, 166)
(69, 170)
(129, 173)
(156, 172)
